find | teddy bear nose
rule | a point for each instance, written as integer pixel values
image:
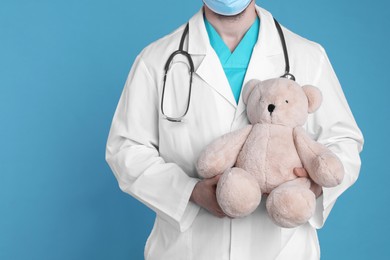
(271, 108)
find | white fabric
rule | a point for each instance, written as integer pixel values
(154, 159)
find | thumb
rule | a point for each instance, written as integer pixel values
(300, 172)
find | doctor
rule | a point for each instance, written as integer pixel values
(153, 159)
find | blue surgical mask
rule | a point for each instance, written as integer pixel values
(227, 7)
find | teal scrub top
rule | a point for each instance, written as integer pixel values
(234, 64)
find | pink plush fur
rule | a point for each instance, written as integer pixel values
(260, 157)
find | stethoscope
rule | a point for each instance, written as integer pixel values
(180, 51)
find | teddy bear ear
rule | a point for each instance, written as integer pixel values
(248, 88)
(314, 97)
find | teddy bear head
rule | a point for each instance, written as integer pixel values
(280, 101)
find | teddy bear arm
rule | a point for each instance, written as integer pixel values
(222, 153)
(322, 165)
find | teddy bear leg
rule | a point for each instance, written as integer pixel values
(292, 203)
(238, 193)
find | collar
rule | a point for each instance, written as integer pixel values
(268, 42)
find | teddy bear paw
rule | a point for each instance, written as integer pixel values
(328, 170)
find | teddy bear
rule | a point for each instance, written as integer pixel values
(258, 160)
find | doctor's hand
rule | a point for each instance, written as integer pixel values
(315, 188)
(204, 194)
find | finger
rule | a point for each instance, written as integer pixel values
(220, 214)
(316, 189)
(220, 211)
(216, 210)
(215, 179)
(300, 172)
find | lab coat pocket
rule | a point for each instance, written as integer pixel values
(299, 243)
(178, 145)
(168, 243)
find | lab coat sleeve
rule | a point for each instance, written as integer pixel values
(334, 126)
(132, 153)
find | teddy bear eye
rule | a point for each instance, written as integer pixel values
(286, 101)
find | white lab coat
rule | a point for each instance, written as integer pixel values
(154, 159)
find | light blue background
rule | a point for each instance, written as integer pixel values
(63, 65)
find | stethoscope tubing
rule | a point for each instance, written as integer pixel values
(180, 51)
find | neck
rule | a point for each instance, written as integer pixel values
(232, 28)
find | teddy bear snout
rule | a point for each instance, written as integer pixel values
(271, 108)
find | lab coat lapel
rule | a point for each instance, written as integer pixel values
(211, 71)
(207, 64)
(267, 57)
